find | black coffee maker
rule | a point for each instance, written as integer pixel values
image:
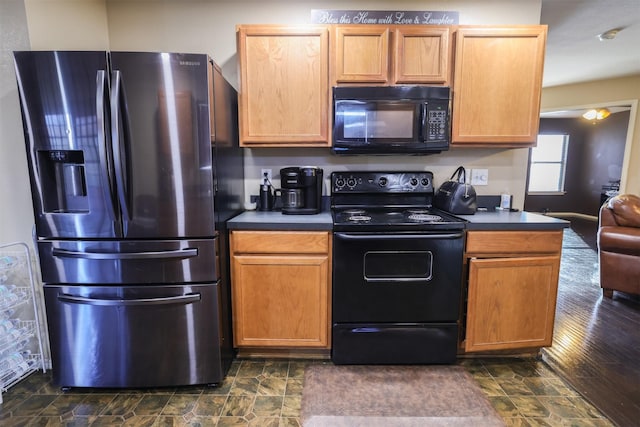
(301, 190)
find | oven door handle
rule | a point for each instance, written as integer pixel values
(399, 236)
(399, 279)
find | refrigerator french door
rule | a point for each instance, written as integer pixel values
(122, 171)
(118, 143)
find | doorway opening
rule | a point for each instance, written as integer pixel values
(597, 159)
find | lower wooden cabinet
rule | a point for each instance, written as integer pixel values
(512, 289)
(281, 289)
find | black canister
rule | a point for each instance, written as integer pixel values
(267, 198)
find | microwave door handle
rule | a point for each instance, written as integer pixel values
(423, 121)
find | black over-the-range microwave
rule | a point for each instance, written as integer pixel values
(391, 119)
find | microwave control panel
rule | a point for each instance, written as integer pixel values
(437, 122)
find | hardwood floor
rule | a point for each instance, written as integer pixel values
(596, 346)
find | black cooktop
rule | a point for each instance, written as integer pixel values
(392, 218)
(387, 201)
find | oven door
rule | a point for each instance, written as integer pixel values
(397, 277)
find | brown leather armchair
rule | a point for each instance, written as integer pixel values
(619, 245)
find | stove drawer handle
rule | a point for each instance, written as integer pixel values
(399, 236)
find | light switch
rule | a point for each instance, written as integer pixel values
(480, 177)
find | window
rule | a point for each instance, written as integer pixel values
(547, 164)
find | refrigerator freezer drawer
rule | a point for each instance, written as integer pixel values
(144, 336)
(130, 262)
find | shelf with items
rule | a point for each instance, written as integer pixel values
(19, 354)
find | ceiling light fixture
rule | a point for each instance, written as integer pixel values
(609, 35)
(597, 114)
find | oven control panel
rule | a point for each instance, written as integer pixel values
(382, 182)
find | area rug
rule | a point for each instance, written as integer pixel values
(393, 396)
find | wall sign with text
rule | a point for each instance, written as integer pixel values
(388, 17)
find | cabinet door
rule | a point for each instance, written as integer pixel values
(281, 301)
(511, 302)
(421, 55)
(284, 86)
(497, 85)
(360, 54)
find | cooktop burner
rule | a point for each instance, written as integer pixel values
(424, 217)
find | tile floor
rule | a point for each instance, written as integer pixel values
(525, 392)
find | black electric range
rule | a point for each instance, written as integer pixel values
(397, 270)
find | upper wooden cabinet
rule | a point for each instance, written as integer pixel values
(360, 54)
(284, 86)
(422, 55)
(497, 85)
(383, 54)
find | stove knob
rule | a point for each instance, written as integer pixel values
(424, 181)
(351, 182)
(413, 181)
(382, 182)
(340, 182)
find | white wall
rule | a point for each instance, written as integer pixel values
(16, 217)
(67, 24)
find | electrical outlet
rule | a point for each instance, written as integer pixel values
(266, 173)
(480, 177)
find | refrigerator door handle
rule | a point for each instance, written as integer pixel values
(182, 299)
(107, 188)
(180, 253)
(118, 109)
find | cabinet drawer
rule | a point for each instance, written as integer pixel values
(505, 243)
(279, 242)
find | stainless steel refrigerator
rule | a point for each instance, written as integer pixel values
(135, 168)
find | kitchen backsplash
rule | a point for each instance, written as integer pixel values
(507, 168)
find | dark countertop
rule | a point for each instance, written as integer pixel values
(498, 220)
(275, 220)
(513, 221)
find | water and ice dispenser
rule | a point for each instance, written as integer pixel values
(63, 180)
